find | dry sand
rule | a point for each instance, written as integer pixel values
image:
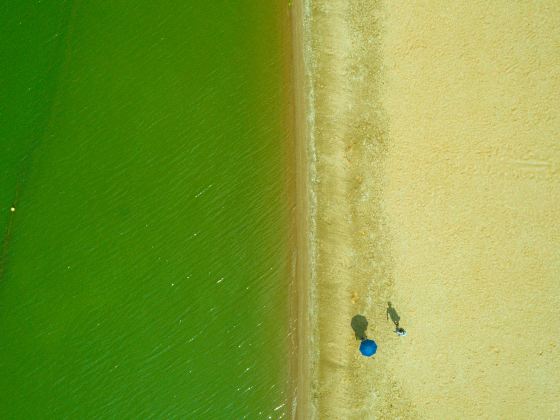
(431, 149)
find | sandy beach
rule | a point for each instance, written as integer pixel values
(428, 176)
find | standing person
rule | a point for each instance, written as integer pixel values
(401, 332)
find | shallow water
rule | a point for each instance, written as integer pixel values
(144, 272)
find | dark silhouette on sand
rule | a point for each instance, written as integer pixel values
(359, 324)
(392, 313)
(396, 319)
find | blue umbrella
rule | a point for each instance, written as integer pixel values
(368, 347)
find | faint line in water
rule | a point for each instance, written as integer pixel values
(25, 168)
(204, 190)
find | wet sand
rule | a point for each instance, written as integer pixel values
(432, 181)
(302, 316)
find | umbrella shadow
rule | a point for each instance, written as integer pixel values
(359, 324)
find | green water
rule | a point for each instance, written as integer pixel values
(145, 271)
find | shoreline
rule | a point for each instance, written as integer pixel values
(351, 267)
(301, 403)
(341, 145)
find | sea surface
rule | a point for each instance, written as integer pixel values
(145, 271)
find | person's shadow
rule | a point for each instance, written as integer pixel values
(359, 324)
(392, 313)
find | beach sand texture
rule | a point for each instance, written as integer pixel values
(432, 135)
